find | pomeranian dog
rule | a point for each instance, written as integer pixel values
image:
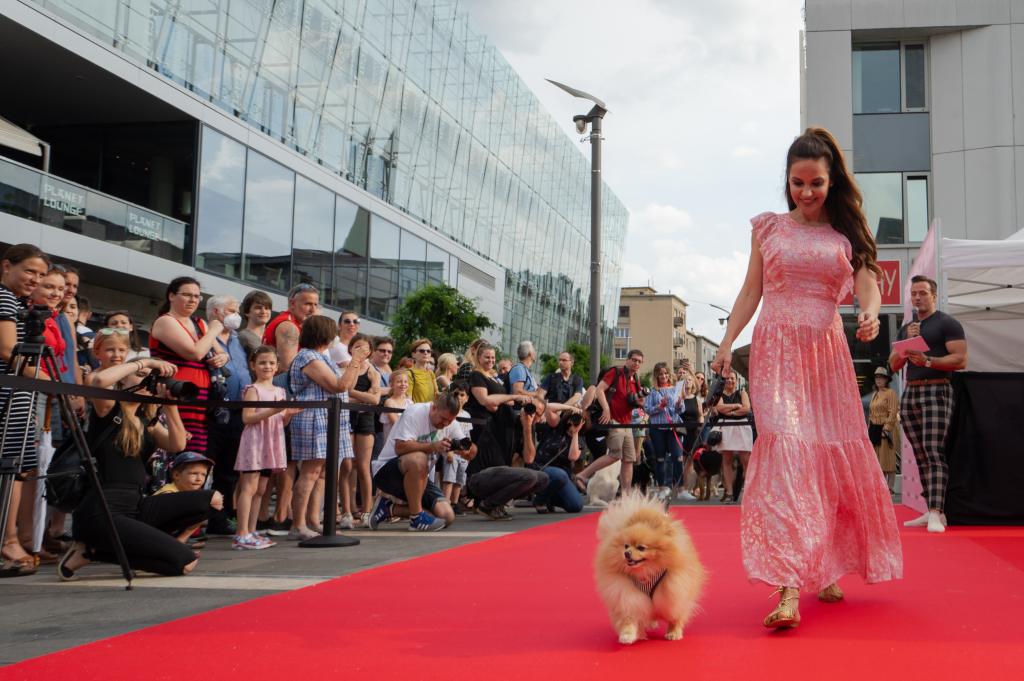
(646, 569)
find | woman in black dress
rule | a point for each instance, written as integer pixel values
(147, 526)
(488, 400)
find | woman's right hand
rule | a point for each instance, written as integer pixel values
(217, 501)
(723, 359)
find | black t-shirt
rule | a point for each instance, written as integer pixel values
(114, 468)
(494, 387)
(937, 329)
(553, 447)
(560, 390)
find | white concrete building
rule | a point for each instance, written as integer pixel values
(924, 97)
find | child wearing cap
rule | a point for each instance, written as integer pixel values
(189, 471)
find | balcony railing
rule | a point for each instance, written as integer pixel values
(678, 340)
(679, 321)
(34, 195)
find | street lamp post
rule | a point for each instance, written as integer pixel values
(594, 118)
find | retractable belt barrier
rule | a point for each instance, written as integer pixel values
(54, 388)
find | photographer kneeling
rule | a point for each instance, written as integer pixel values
(424, 432)
(122, 436)
(556, 449)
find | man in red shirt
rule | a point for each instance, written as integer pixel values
(283, 331)
(618, 393)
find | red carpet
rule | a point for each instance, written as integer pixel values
(523, 606)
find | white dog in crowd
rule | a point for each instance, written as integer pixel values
(603, 485)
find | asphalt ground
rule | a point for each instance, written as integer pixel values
(40, 615)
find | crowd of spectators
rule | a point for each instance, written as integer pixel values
(477, 431)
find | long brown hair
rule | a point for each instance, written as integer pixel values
(844, 201)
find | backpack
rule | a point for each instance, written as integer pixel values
(595, 406)
(66, 481)
(506, 379)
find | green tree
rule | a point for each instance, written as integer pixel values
(581, 361)
(449, 319)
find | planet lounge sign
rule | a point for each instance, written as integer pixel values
(63, 197)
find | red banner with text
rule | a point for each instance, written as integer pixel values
(889, 282)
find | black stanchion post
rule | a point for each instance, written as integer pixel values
(329, 538)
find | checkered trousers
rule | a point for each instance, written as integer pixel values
(926, 411)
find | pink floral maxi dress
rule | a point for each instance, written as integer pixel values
(815, 505)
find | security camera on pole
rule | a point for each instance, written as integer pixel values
(593, 118)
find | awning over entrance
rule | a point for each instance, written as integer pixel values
(17, 138)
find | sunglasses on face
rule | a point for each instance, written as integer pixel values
(109, 331)
(385, 351)
(350, 321)
(427, 350)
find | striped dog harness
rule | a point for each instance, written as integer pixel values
(648, 585)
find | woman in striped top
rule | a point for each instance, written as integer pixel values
(24, 266)
(187, 343)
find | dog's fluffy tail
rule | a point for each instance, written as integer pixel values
(620, 511)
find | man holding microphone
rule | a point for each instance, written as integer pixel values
(926, 407)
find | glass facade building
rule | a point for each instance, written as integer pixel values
(402, 99)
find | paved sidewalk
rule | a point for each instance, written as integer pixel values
(40, 614)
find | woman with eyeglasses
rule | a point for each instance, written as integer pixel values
(24, 265)
(424, 387)
(348, 327)
(122, 319)
(185, 341)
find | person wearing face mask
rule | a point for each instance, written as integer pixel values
(225, 434)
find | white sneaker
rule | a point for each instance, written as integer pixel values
(922, 521)
(917, 522)
(935, 522)
(683, 494)
(346, 522)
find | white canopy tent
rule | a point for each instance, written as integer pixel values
(983, 287)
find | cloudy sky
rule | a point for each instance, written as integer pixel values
(704, 99)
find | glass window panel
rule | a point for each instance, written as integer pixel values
(413, 259)
(351, 234)
(383, 279)
(437, 265)
(221, 202)
(269, 191)
(876, 78)
(913, 65)
(917, 208)
(313, 238)
(883, 205)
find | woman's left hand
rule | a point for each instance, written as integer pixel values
(867, 326)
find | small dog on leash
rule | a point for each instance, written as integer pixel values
(646, 569)
(707, 463)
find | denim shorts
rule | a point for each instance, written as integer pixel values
(389, 479)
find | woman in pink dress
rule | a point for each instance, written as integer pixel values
(815, 505)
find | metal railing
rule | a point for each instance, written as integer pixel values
(41, 197)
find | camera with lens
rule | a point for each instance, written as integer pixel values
(636, 399)
(461, 444)
(530, 408)
(34, 318)
(180, 390)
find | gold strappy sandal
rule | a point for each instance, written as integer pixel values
(786, 614)
(831, 594)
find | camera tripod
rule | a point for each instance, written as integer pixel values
(33, 352)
